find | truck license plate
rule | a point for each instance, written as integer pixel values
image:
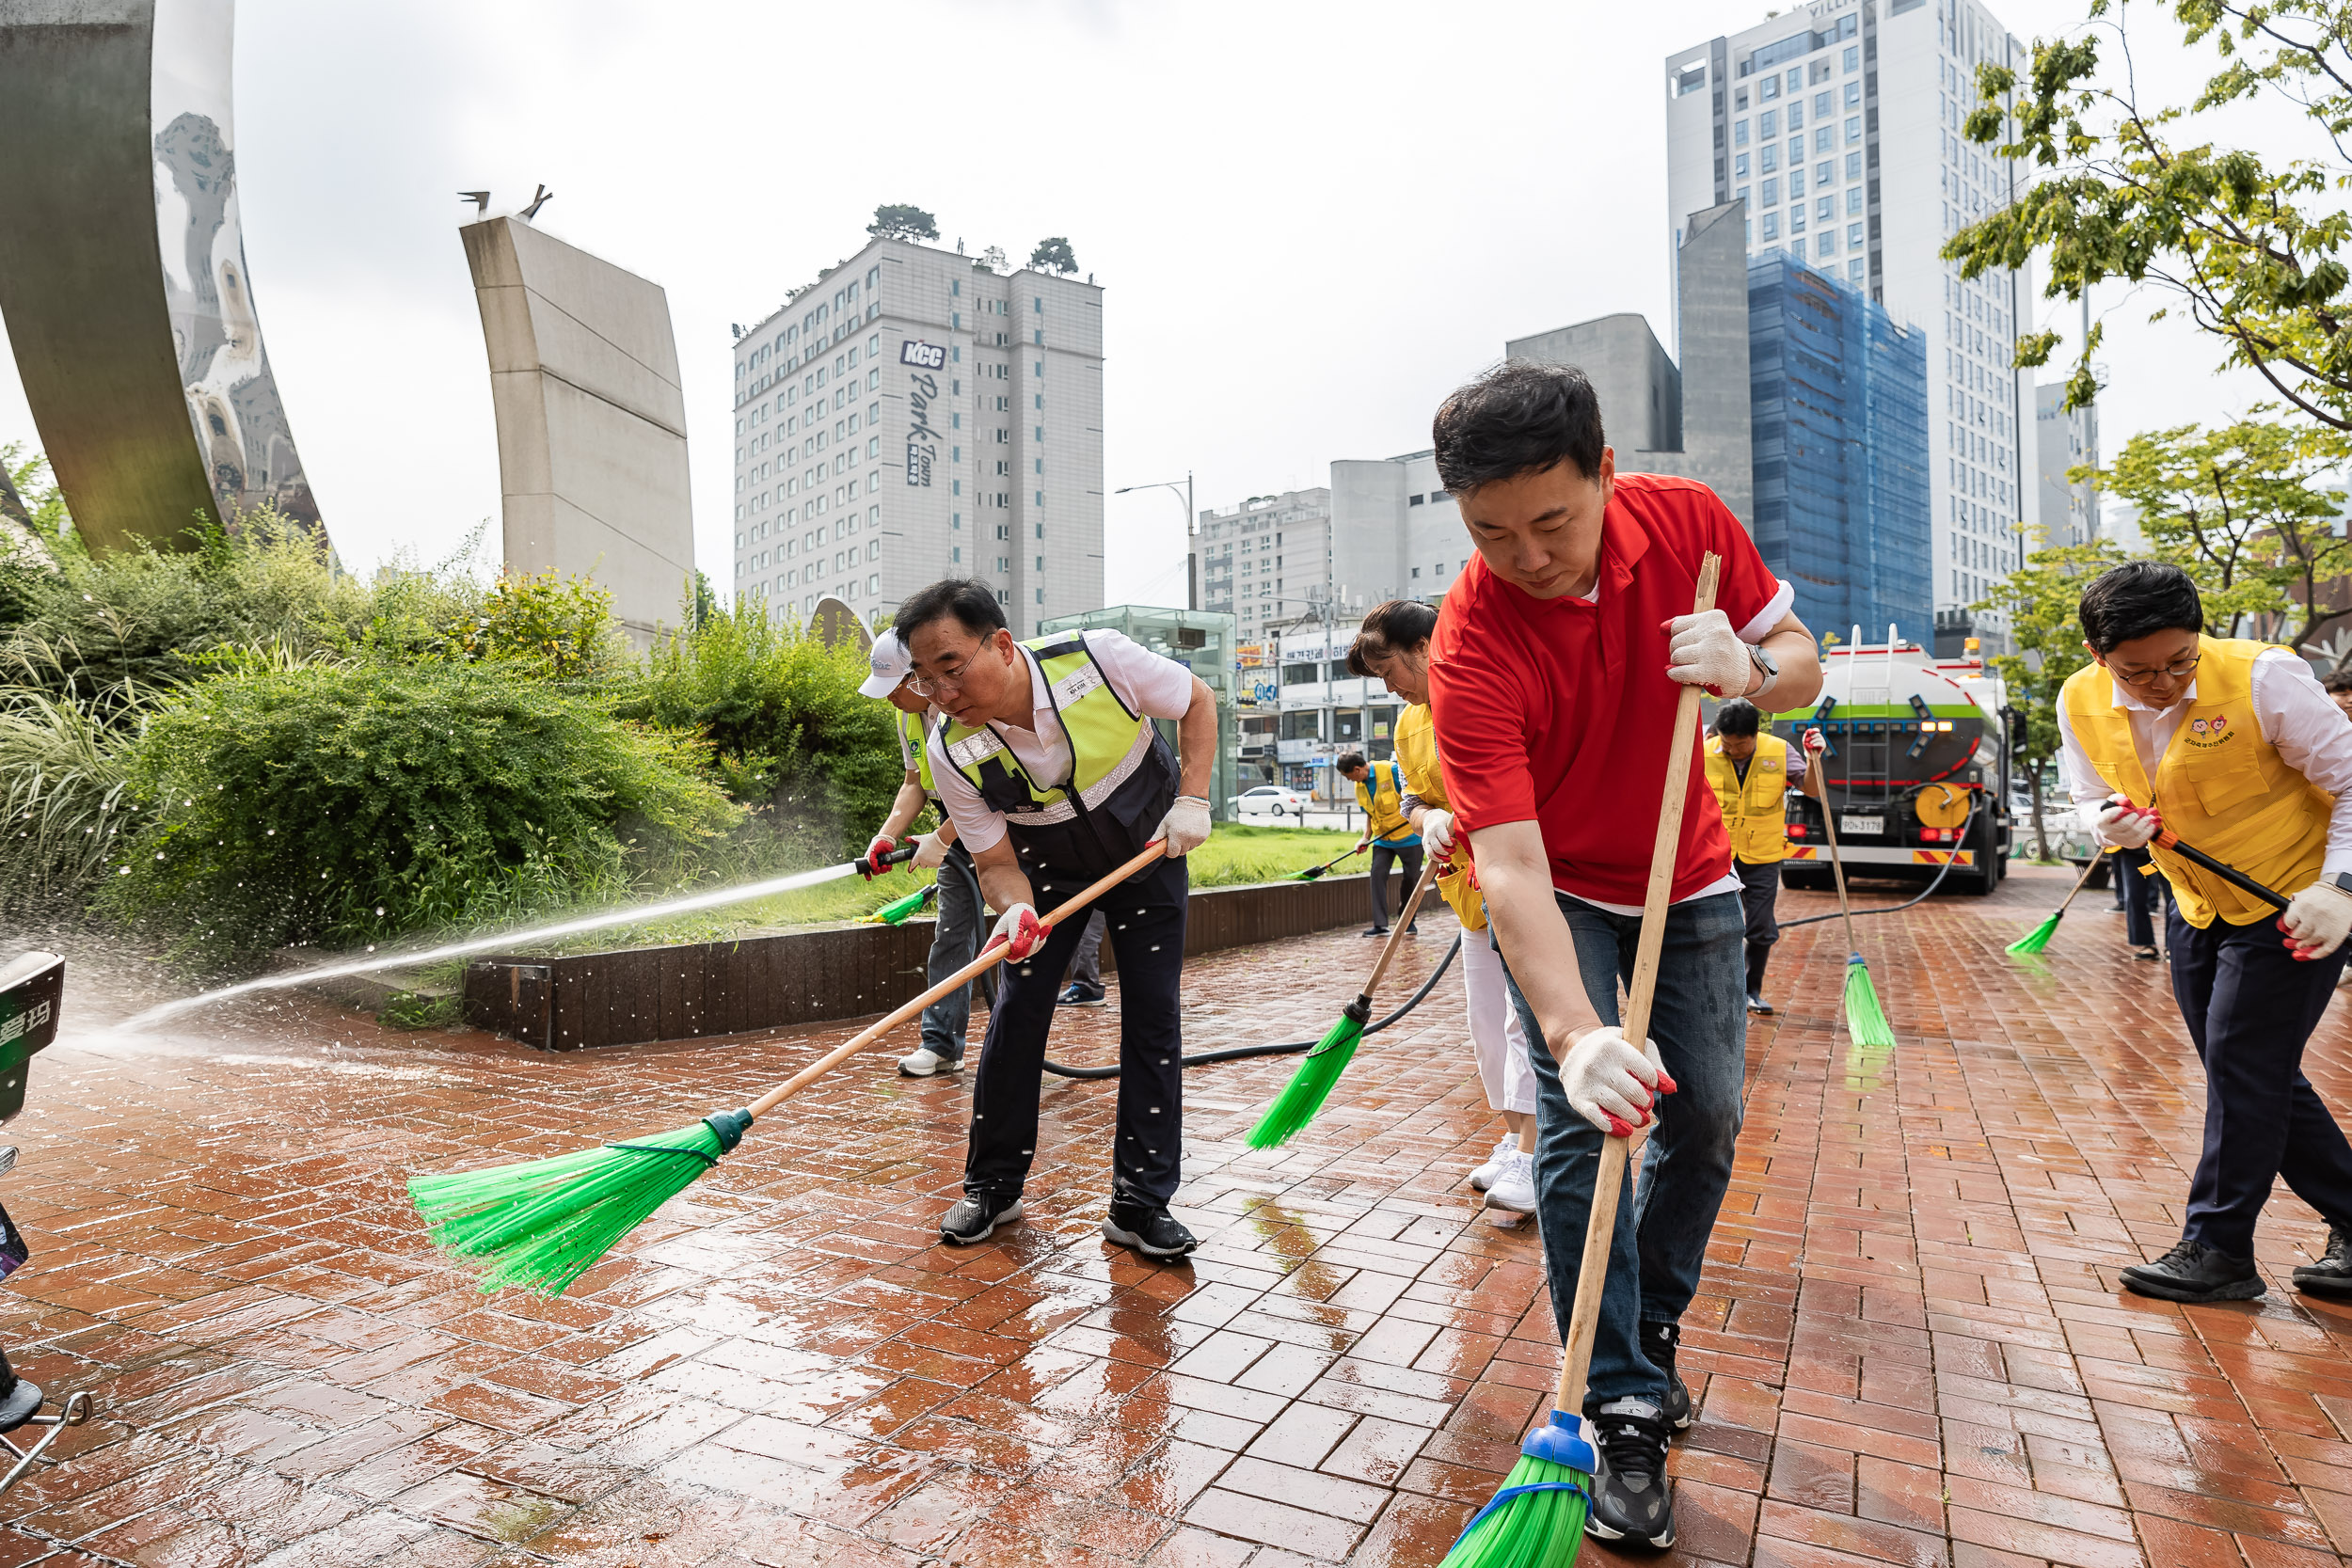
(1862, 824)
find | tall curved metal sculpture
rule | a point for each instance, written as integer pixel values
(123, 273)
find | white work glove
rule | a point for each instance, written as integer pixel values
(2124, 826)
(930, 853)
(2317, 920)
(1437, 830)
(1019, 931)
(1610, 1083)
(1185, 827)
(1704, 650)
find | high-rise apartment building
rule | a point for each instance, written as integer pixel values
(2070, 512)
(1267, 562)
(913, 414)
(1840, 123)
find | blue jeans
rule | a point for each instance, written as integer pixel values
(1700, 1023)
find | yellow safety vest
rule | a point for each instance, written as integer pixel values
(914, 742)
(1382, 796)
(1417, 753)
(2219, 785)
(1122, 777)
(1753, 813)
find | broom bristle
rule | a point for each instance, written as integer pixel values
(1534, 1529)
(2039, 938)
(1311, 1085)
(1865, 1021)
(540, 1224)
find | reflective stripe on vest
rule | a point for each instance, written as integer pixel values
(1755, 817)
(911, 731)
(2221, 785)
(1107, 741)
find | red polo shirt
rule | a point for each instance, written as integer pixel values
(1559, 711)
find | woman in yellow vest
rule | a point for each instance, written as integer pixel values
(1751, 773)
(1394, 647)
(1380, 790)
(2233, 746)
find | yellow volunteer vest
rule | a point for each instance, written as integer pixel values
(1753, 814)
(1382, 796)
(1417, 753)
(911, 732)
(2219, 785)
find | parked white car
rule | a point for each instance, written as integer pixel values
(1271, 800)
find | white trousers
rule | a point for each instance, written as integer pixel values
(1495, 1032)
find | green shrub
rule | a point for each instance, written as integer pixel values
(344, 804)
(788, 731)
(63, 803)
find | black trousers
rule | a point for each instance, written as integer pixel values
(2140, 895)
(1147, 933)
(1760, 890)
(1382, 858)
(2251, 1007)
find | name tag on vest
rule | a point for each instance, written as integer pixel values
(1076, 684)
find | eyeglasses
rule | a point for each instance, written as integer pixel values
(925, 687)
(2180, 672)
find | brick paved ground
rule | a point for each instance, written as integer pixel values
(1909, 1345)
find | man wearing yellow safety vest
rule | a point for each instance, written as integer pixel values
(1380, 790)
(955, 938)
(1393, 648)
(1054, 775)
(2233, 746)
(1751, 772)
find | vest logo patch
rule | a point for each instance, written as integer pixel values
(2206, 734)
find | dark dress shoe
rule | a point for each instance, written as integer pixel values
(1153, 1232)
(2194, 1272)
(2333, 1275)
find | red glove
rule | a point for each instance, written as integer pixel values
(1019, 931)
(1814, 743)
(883, 844)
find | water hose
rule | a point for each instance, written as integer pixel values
(1933, 882)
(1288, 1048)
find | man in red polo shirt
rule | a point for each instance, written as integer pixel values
(1553, 677)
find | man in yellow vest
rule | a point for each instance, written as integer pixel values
(1380, 790)
(2233, 746)
(1751, 772)
(956, 937)
(1054, 775)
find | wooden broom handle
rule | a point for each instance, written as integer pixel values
(1600, 1227)
(1396, 932)
(1837, 866)
(987, 961)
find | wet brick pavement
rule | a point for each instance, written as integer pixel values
(1909, 1346)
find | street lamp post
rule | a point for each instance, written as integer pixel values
(1192, 526)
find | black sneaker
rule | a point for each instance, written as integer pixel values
(1373, 932)
(1659, 1342)
(1632, 1500)
(2333, 1275)
(975, 1218)
(1757, 1004)
(1080, 995)
(1154, 1232)
(2193, 1272)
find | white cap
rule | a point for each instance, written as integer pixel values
(890, 662)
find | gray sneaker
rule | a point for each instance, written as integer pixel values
(925, 1062)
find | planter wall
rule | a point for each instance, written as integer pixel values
(730, 988)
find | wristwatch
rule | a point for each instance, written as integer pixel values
(1764, 661)
(2341, 881)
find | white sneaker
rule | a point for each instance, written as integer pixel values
(925, 1062)
(1513, 1188)
(1484, 1176)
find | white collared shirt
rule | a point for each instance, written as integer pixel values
(2292, 711)
(1148, 683)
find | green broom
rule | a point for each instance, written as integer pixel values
(1310, 1084)
(2039, 938)
(1865, 1020)
(1313, 871)
(541, 1223)
(1538, 1519)
(899, 911)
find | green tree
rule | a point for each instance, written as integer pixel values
(1053, 255)
(2249, 247)
(2249, 511)
(2040, 600)
(903, 223)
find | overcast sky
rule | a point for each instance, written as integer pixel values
(1310, 221)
